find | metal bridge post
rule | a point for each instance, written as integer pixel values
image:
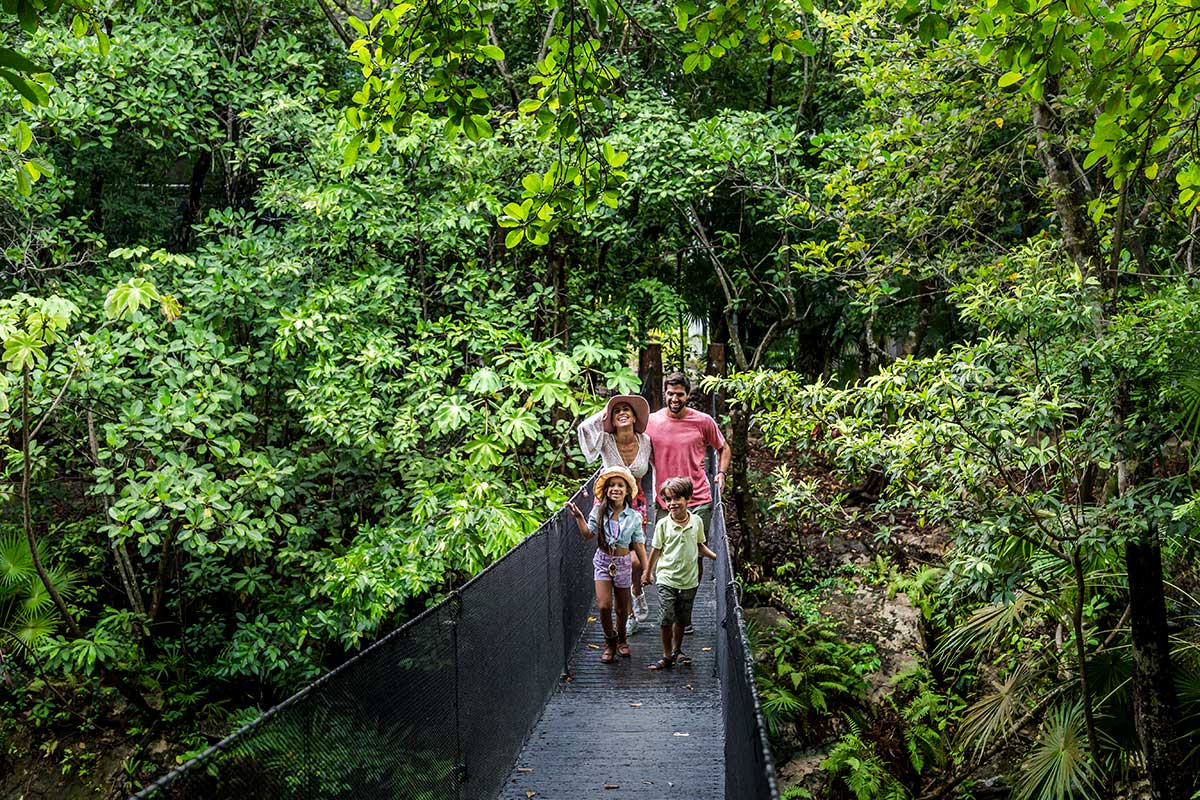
(454, 605)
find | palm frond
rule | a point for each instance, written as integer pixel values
(994, 715)
(779, 706)
(1184, 389)
(64, 580)
(5, 633)
(984, 628)
(38, 599)
(1187, 685)
(16, 564)
(35, 598)
(1058, 766)
(31, 628)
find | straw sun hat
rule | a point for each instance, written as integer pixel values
(614, 473)
(641, 412)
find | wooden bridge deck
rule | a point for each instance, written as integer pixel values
(618, 730)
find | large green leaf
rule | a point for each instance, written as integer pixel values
(22, 350)
(13, 60)
(128, 297)
(451, 416)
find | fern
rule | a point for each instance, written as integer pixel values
(666, 304)
(855, 762)
(806, 671)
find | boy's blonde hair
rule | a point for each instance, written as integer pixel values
(677, 487)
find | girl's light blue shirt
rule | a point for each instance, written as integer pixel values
(627, 527)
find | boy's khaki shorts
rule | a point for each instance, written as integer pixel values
(675, 606)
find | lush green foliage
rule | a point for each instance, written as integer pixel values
(1039, 416)
(276, 372)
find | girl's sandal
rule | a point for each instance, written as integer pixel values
(662, 664)
(610, 648)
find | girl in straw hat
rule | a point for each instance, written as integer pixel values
(616, 436)
(618, 531)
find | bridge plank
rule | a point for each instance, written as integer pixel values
(590, 737)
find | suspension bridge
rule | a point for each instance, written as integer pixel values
(497, 692)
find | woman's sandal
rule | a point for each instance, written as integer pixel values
(610, 651)
(623, 649)
(662, 664)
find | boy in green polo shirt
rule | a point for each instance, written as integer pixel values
(678, 545)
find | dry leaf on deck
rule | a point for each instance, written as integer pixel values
(594, 646)
(635, 705)
(678, 733)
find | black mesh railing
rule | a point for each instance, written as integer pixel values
(439, 709)
(749, 766)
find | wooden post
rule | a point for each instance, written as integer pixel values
(716, 366)
(650, 370)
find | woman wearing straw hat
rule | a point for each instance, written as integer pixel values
(618, 531)
(616, 436)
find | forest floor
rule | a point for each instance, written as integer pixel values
(839, 570)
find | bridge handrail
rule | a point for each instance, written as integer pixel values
(749, 764)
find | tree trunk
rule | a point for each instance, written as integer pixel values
(27, 514)
(1155, 705)
(1156, 708)
(125, 569)
(191, 207)
(1068, 185)
(743, 494)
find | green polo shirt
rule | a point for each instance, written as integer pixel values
(677, 567)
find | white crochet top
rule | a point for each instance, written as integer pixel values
(597, 443)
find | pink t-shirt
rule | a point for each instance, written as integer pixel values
(679, 446)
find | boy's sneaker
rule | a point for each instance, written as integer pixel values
(640, 609)
(631, 626)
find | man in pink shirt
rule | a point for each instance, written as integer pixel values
(680, 437)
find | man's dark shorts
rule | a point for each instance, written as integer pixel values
(704, 512)
(675, 606)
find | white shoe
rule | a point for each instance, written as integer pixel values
(631, 626)
(640, 609)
